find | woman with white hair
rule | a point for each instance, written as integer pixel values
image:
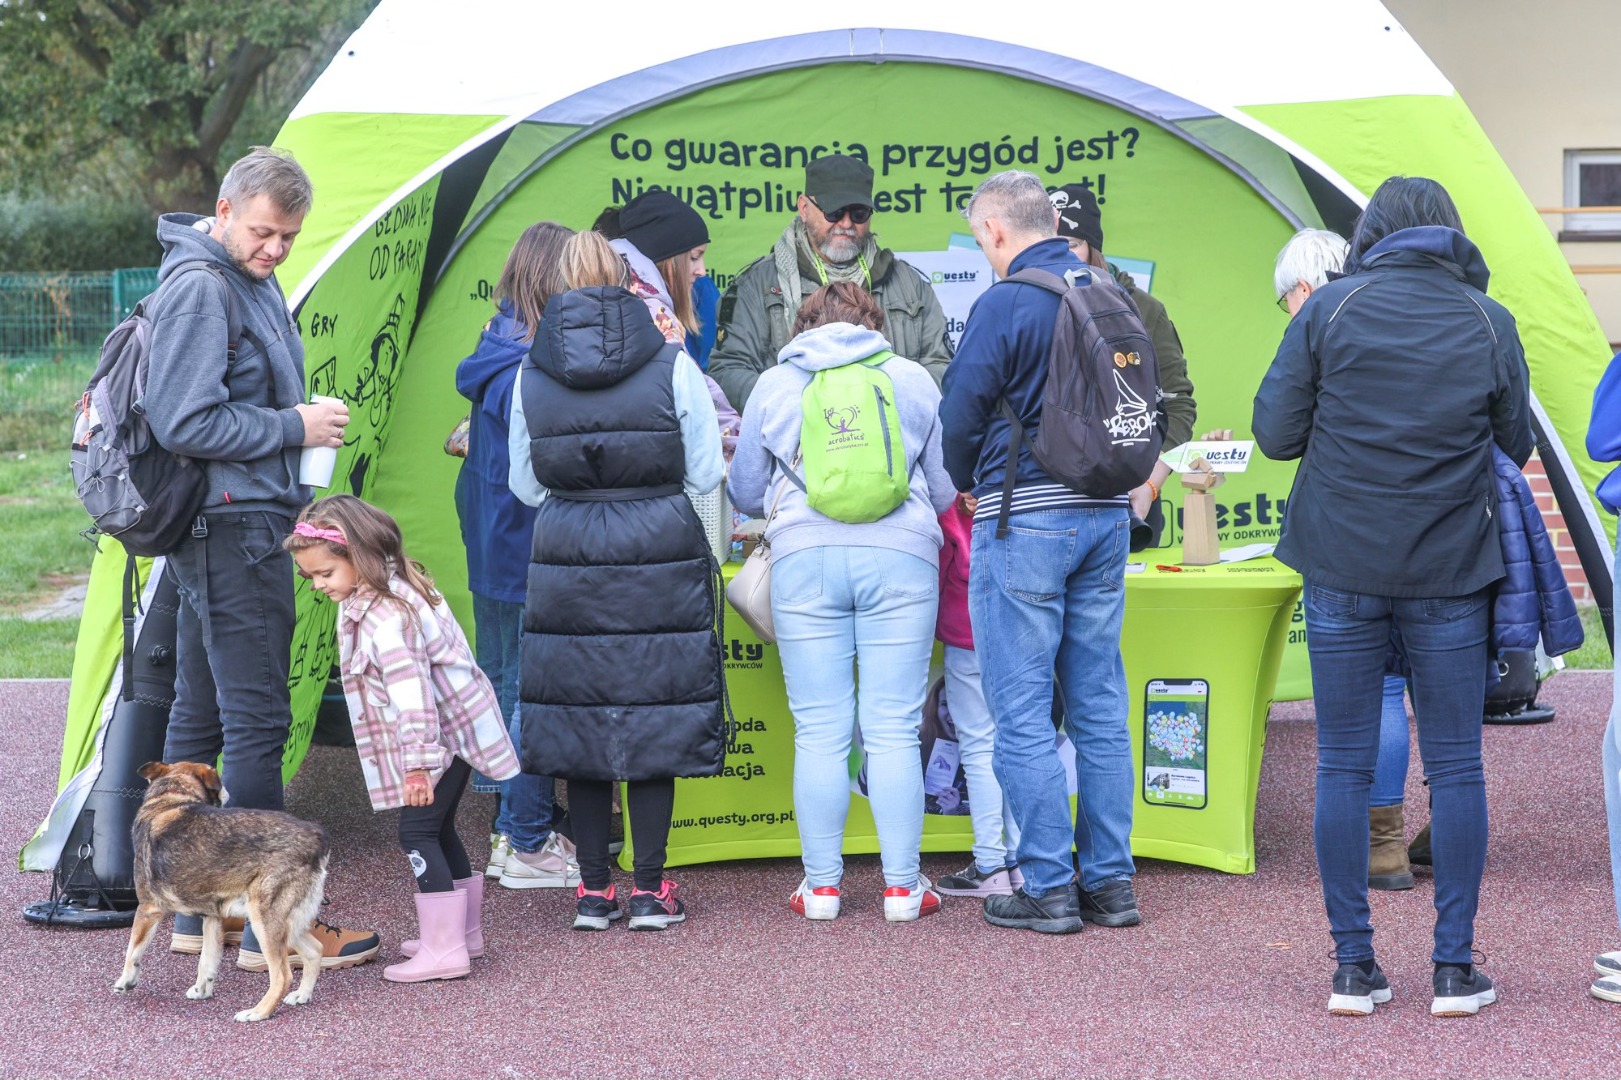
(1304, 266)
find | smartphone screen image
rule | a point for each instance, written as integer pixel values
(1176, 742)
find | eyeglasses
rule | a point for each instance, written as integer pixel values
(858, 214)
(1283, 302)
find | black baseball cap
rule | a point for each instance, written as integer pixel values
(834, 181)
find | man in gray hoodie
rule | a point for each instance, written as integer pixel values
(242, 414)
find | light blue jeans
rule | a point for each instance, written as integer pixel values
(1051, 597)
(1612, 785)
(838, 609)
(996, 834)
(1390, 772)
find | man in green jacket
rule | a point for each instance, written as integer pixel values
(831, 240)
(1081, 223)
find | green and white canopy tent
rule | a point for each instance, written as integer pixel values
(1210, 131)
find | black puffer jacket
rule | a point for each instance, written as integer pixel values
(622, 668)
(1391, 386)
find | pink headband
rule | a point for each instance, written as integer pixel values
(304, 528)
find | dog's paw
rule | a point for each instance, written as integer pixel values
(201, 991)
(248, 1016)
(298, 997)
(124, 984)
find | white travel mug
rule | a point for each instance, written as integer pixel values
(316, 463)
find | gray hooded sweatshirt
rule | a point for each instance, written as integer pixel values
(771, 437)
(237, 419)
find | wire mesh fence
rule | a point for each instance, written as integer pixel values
(51, 329)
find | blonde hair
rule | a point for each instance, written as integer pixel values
(372, 544)
(588, 261)
(532, 274)
(677, 274)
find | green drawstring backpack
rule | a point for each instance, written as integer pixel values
(850, 441)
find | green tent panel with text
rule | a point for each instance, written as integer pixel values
(737, 153)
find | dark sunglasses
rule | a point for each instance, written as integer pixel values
(858, 214)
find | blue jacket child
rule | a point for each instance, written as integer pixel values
(497, 529)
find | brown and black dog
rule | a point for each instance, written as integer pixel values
(196, 857)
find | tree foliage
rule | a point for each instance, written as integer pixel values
(151, 99)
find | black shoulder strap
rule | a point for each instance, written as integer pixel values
(1034, 275)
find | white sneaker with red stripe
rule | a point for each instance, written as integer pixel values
(910, 905)
(819, 904)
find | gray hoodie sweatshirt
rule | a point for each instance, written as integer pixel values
(771, 436)
(238, 419)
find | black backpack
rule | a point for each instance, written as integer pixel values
(1100, 430)
(136, 491)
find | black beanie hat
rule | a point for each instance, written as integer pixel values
(1078, 214)
(661, 225)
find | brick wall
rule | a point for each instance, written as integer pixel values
(1557, 531)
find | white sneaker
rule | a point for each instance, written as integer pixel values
(548, 868)
(1608, 965)
(819, 904)
(910, 905)
(500, 849)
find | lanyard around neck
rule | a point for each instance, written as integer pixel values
(821, 271)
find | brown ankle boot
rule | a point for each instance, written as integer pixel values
(1387, 850)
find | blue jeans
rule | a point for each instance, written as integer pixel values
(1390, 774)
(996, 835)
(1051, 597)
(1612, 789)
(1348, 636)
(496, 624)
(528, 801)
(837, 609)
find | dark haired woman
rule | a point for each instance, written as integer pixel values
(1391, 387)
(845, 595)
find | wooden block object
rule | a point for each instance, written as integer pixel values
(1200, 545)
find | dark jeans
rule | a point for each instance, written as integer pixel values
(590, 809)
(428, 833)
(496, 626)
(1445, 638)
(231, 695)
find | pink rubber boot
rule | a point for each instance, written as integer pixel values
(442, 947)
(474, 888)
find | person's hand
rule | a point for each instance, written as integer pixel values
(324, 421)
(969, 502)
(1142, 500)
(1218, 435)
(418, 792)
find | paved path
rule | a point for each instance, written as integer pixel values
(1226, 976)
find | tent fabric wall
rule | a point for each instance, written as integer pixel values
(413, 91)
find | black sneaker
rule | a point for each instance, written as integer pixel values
(1059, 912)
(1114, 903)
(1460, 991)
(1356, 992)
(972, 881)
(595, 910)
(657, 910)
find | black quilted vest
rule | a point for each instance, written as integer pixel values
(622, 666)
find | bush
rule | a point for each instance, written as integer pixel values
(76, 234)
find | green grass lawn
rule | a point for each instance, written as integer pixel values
(42, 554)
(1595, 651)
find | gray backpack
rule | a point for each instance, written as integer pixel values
(136, 491)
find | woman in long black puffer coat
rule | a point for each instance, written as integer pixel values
(622, 676)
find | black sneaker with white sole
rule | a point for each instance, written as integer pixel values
(1460, 990)
(1058, 912)
(595, 910)
(1356, 992)
(1114, 903)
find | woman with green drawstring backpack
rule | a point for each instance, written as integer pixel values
(844, 438)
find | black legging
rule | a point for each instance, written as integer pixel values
(428, 833)
(590, 809)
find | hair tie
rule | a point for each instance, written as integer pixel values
(304, 528)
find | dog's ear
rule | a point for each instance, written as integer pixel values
(152, 770)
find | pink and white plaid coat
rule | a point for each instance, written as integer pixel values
(416, 698)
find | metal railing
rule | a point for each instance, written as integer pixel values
(51, 329)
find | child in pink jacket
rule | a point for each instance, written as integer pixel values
(996, 837)
(424, 715)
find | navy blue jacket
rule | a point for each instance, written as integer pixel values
(496, 528)
(1391, 385)
(1532, 599)
(1003, 353)
(1604, 433)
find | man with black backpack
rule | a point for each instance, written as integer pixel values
(225, 388)
(1049, 418)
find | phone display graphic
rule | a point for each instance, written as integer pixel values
(1176, 743)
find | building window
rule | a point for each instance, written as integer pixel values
(1592, 178)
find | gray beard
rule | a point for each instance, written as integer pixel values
(841, 249)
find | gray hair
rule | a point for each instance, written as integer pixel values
(267, 170)
(1309, 256)
(1019, 199)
